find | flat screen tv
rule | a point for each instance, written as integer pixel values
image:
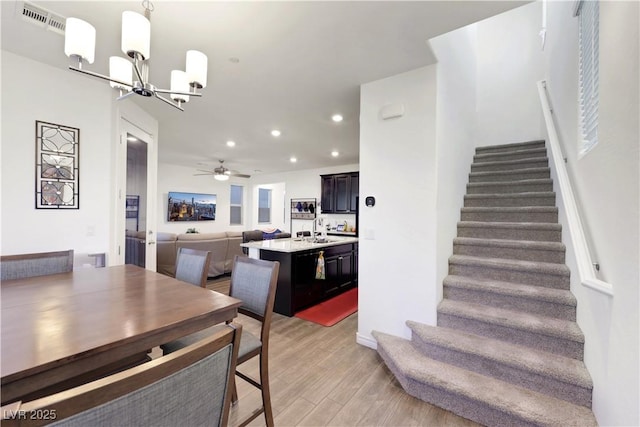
(191, 207)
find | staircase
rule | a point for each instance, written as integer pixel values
(507, 349)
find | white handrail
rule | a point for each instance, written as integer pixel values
(583, 256)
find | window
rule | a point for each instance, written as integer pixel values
(264, 205)
(235, 204)
(589, 16)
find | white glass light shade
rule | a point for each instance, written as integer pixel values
(80, 39)
(197, 68)
(136, 34)
(179, 83)
(221, 177)
(120, 69)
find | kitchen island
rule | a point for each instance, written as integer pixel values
(298, 287)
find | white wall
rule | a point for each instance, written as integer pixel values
(456, 134)
(181, 178)
(288, 185)
(306, 184)
(397, 272)
(509, 63)
(606, 184)
(33, 91)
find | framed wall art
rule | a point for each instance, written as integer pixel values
(191, 206)
(57, 166)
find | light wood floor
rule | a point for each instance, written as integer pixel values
(321, 377)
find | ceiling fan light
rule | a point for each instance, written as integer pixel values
(197, 68)
(179, 83)
(80, 39)
(221, 177)
(120, 69)
(136, 35)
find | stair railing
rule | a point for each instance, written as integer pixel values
(586, 265)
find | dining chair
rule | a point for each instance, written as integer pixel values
(35, 264)
(192, 266)
(189, 387)
(254, 282)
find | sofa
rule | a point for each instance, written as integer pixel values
(224, 246)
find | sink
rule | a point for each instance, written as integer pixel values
(322, 240)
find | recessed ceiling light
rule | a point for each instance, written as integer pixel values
(231, 143)
(336, 118)
(293, 160)
(275, 132)
(335, 153)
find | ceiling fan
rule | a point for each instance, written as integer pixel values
(221, 173)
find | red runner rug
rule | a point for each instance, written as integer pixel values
(333, 310)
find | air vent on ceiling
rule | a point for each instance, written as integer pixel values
(43, 17)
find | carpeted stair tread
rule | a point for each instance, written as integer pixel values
(534, 198)
(547, 214)
(499, 209)
(536, 231)
(536, 225)
(557, 296)
(474, 396)
(503, 165)
(510, 175)
(508, 182)
(561, 368)
(523, 153)
(557, 328)
(505, 243)
(510, 147)
(512, 264)
(510, 249)
(545, 274)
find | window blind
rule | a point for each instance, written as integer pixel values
(235, 204)
(589, 16)
(264, 205)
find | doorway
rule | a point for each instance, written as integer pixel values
(136, 202)
(136, 169)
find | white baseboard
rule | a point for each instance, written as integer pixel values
(366, 341)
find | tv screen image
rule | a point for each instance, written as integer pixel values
(191, 206)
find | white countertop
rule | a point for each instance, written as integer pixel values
(296, 244)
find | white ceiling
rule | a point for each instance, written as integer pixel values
(299, 63)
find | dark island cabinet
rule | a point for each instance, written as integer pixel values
(340, 192)
(298, 287)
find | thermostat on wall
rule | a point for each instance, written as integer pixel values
(370, 201)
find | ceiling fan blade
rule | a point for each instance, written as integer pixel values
(206, 171)
(240, 175)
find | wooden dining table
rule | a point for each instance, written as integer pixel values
(61, 330)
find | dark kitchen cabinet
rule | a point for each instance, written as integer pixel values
(327, 193)
(298, 287)
(340, 192)
(338, 272)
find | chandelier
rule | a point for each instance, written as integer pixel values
(80, 43)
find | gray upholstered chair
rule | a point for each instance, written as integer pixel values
(253, 281)
(191, 387)
(192, 266)
(36, 264)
